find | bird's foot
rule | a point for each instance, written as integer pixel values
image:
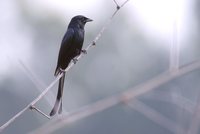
(84, 51)
(74, 60)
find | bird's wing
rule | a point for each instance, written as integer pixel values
(68, 36)
(64, 48)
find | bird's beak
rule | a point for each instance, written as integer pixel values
(88, 20)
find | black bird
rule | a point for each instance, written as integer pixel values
(71, 46)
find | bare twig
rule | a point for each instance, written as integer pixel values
(30, 74)
(38, 83)
(39, 111)
(118, 7)
(59, 76)
(79, 114)
(116, 99)
(155, 116)
(29, 105)
(124, 3)
(116, 2)
(161, 79)
(178, 100)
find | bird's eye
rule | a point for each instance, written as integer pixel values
(83, 19)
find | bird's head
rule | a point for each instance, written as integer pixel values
(79, 21)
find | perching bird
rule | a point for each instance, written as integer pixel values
(71, 46)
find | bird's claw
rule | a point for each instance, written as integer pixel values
(74, 60)
(84, 51)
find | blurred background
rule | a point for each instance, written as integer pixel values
(135, 48)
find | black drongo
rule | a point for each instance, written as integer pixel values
(71, 46)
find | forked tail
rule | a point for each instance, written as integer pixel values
(59, 97)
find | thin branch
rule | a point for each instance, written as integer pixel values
(39, 111)
(161, 79)
(124, 3)
(77, 115)
(155, 116)
(30, 74)
(59, 76)
(29, 105)
(123, 97)
(118, 7)
(38, 83)
(116, 2)
(179, 101)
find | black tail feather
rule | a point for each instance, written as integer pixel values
(59, 97)
(54, 110)
(60, 109)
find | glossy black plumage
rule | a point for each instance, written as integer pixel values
(71, 46)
